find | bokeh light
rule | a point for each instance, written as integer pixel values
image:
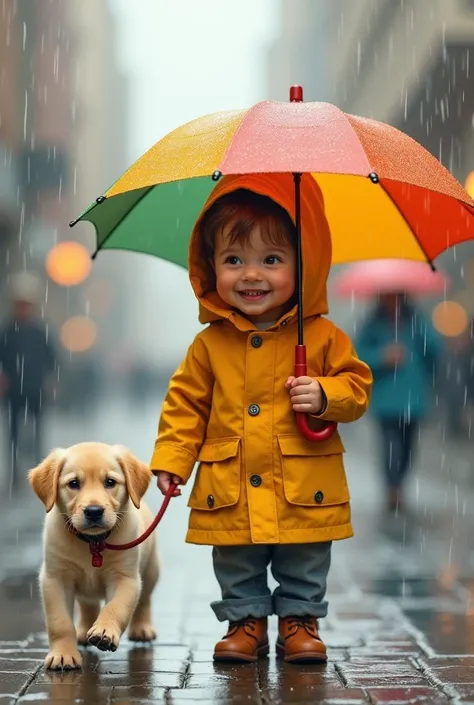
(469, 185)
(78, 334)
(450, 318)
(68, 263)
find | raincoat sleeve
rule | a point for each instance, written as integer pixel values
(347, 381)
(185, 414)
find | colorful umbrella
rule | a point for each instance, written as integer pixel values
(384, 194)
(379, 276)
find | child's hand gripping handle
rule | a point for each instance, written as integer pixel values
(301, 370)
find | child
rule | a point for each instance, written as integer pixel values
(263, 494)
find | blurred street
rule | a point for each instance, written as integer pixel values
(400, 626)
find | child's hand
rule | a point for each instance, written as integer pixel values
(306, 394)
(164, 481)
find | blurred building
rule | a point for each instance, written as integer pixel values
(9, 157)
(406, 62)
(36, 119)
(300, 53)
(63, 129)
(99, 154)
(409, 63)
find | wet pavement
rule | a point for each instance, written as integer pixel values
(401, 622)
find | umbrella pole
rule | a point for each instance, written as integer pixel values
(299, 257)
(301, 367)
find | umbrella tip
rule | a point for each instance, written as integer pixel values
(100, 199)
(296, 94)
(216, 175)
(73, 222)
(95, 253)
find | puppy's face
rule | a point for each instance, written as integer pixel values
(91, 484)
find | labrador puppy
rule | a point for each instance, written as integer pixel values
(89, 490)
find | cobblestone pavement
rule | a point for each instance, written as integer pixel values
(400, 627)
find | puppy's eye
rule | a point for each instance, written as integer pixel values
(74, 485)
(109, 483)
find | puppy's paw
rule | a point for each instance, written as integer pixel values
(104, 636)
(142, 631)
(63, 658)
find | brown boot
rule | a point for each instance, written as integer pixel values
(246, 640)
(299, 640)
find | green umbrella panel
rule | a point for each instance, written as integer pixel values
(156, 220)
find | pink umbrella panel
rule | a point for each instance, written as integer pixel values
(382, 276)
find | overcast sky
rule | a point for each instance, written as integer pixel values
(185, 58)
(191, 57)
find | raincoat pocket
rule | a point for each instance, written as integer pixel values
(313, 473)
(217, 483)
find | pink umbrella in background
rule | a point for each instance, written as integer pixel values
(382, 276)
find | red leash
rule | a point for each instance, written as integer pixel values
(97, 547)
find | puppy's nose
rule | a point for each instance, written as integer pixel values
(94, 512)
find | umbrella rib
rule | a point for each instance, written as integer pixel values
(120, 221)
(428, 259)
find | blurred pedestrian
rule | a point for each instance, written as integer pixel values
(402, 350)
(27, 359)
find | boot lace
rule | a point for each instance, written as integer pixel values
(309, 624)
(245, 622)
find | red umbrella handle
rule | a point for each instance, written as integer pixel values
(301, 369)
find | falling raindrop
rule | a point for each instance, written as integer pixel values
(25, 116)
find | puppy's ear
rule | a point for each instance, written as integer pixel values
(44, 478)
(137, 474)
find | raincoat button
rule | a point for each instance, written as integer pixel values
(254, 410)
(256, 480)
(318, 497)
(210, 501)
(256, 341)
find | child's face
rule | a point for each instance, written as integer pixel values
(256, 277)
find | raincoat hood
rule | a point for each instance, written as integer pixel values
(316, 244)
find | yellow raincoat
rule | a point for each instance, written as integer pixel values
(259, 480)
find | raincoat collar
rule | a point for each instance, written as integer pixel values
(316, 247)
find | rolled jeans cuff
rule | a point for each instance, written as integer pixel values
(240, 608)
(286, 607)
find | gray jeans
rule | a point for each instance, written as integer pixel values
(300, 569)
